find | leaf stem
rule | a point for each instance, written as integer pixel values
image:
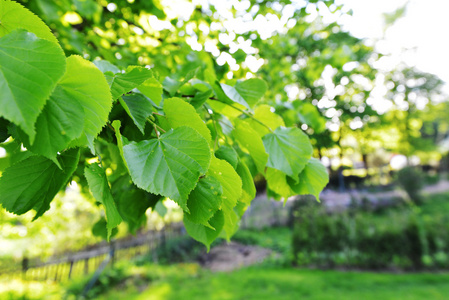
(214, 121)
(240, 110)
(155, 130)
(250, 116)
(156, 127)
(109, 125)
(158, 114)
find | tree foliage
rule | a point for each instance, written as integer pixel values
(134, 134)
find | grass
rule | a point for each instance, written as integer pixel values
(437, 204)
(140, 279)
(278, 239)
(290, 283)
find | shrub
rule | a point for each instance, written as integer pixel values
(411, 179)
(399, 238)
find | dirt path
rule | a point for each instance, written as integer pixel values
(232, 256)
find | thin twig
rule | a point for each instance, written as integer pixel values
(155, 130)
(215, 127)
(251, 116)
(158, 114)
(109, 125)
(240, 110)
(156, 127)
(160, 128)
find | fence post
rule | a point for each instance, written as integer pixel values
(112, 253)
(163, 239)
(25, 265)
(56, 272)
(71, 268)
(86, 266)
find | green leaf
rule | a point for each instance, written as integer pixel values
(124, 83)
(51, 9)
(200, 98)
(247, 92)
(160, 209)
(63, 117)
(169, 166)
(87, 8)
(289, 150)
(309, 114)
(203, 234)
(31, 62)
(33, 182)
(152, 89)
(248, 187)
(264, 114)
(277, 182)
(4, 134)
(14, 16)
(232, 190)
(138, 108)
(99, 186)
(100, 229)
(91, 90)
(251, 143)
(251, 90)
(204, 200)
(233, 94)
(14, 153)
(312, 180)
(180, 113)
(106, 66)
(132, 203)
(227, 110)
(228, 154)
(121, 140)
(172, 85)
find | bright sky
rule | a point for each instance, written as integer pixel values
(423, 31)
(419, 39)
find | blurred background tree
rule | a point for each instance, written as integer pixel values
(321, 78)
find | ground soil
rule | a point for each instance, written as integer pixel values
(231, 256)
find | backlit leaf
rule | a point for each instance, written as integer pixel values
(277, 182)
(124, 83)
(248, 187)
(251, 90)
(91, 90)
(264, 114)
(312, 180)
(169, 166)
(138, 108)
(203, 234)
(31, 62)
(152, 89)
(33, 182)
(63, 117)
(252, 143)
(180, 113)
(99, 186)
(228, 154)
(289, 150)
(14, 16)
(204, 200)
(232, 190)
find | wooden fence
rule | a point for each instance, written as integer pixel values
(262, 213)
(72, 265)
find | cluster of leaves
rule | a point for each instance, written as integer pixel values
(134, 137)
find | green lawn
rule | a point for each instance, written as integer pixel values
(290, 283)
